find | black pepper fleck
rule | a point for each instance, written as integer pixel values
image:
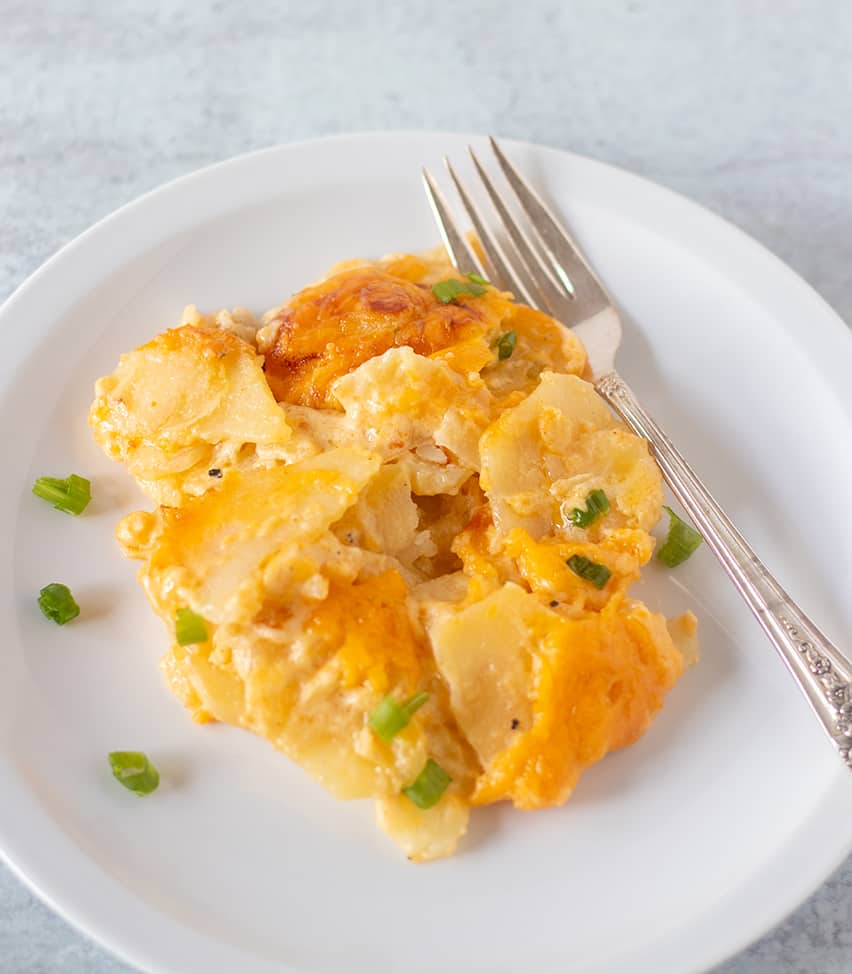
(553, 604)
(215, 472)
(515, 723)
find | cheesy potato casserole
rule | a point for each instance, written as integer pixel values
(397, 530)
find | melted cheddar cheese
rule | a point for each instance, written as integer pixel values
(362, 499)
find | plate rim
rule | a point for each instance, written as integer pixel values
(836, 335)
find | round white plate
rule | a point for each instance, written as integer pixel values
(670, 856)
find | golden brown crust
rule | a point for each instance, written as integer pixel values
(328, 330)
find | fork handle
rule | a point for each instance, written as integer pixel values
(821, 671)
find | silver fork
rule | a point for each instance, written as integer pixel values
(542, 266)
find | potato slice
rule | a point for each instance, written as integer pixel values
(206, 554)
(542, 457)
(183, 404)
(400, 400)
(541, 696)
(485, 654)
(385, 517)
(424, 835)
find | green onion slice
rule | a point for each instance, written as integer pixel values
(680, 543)
(428, 786)
(57, 603)
(70, 494)
(388, 717)
(506, 345)
(597, 504)
(452, 288)
(134, 771)
(478, 279)
(597, 574)
(189, 627)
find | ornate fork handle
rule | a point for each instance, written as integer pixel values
(823, 674)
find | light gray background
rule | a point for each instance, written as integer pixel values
(746, 106)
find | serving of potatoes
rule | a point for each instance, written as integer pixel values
(409, 526)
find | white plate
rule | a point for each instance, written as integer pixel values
(670, 856)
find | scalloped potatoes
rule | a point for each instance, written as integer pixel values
(364, 502)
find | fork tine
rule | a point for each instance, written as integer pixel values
(500, 271)
(463, 258)
(529, 263)
(561, 251)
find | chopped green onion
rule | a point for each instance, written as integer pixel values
(680, 542)
(388, 717)
(597, 504)
(428, 786)
(597, 574)
(452, 288)
(189, 628)
(506, 345)
(478, 279)
(70, 494)
(134, 771)
(57, 603)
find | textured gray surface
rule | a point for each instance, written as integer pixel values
(741, 104)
